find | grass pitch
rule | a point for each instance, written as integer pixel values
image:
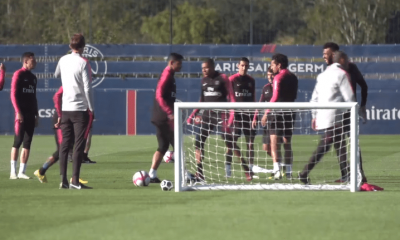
(116, 209)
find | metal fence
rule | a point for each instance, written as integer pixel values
(285, 22)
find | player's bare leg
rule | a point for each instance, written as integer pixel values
(22, 165)
(267, 148)
(276, 155)
(86, 159)
(199, 162)
(157, 158)
(233, 147)
(288, 156)
(250, 149)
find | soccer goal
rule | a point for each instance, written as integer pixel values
(193, 149)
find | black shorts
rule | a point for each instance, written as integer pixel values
(24, 131)
(281, 124)
(242, 125)
(165, 136)
(266, 136)
(209, 121)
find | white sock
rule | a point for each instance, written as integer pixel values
(228, 168)
(251, 167)
(276, 166)
(13, 166)
(288, 168)
(22, 167)
(153, 173)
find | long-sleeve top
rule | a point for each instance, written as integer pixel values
(23, 92)
(266, 95)
(285, 87)
(333, 85)
(76, 78)
(357, 79)
(165, 96)
(243, 87)
(216, 88)
(57, 99)
(2, 77)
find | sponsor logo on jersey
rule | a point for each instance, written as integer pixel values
(239, 94)
(28, 90)
(99, 68)
(212, 94)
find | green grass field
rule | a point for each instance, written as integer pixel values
(116, 209)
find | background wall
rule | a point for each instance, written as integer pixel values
(119, 69)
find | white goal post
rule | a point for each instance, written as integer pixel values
(181, 158)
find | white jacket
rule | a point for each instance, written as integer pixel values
(76, 78)
(333, 85)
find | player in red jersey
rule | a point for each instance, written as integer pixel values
(23, 98)
(215, 87)
(163, 112)
(2, 75)
(266, 95)
(243, 87)
(281, 125)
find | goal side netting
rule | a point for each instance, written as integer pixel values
(229, 146)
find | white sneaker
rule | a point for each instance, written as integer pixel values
(23, 176)
(277, 175)
(13, 176)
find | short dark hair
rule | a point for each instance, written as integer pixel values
(333, 46)
(27, 55)
(77, 41)
(340, 55)
(175, 57)
(210, 62)
(244, 59)
(282, 59)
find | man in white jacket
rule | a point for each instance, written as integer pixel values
(77, 109)
(333, 85)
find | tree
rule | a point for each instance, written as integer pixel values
(191, 25)
(347, 21)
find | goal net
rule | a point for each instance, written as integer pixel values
(213, 153)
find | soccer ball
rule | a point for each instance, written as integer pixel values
(141, 179)
(166, 185)
(169, 157)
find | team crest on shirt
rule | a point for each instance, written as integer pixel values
(97, 62)
(216, 82)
